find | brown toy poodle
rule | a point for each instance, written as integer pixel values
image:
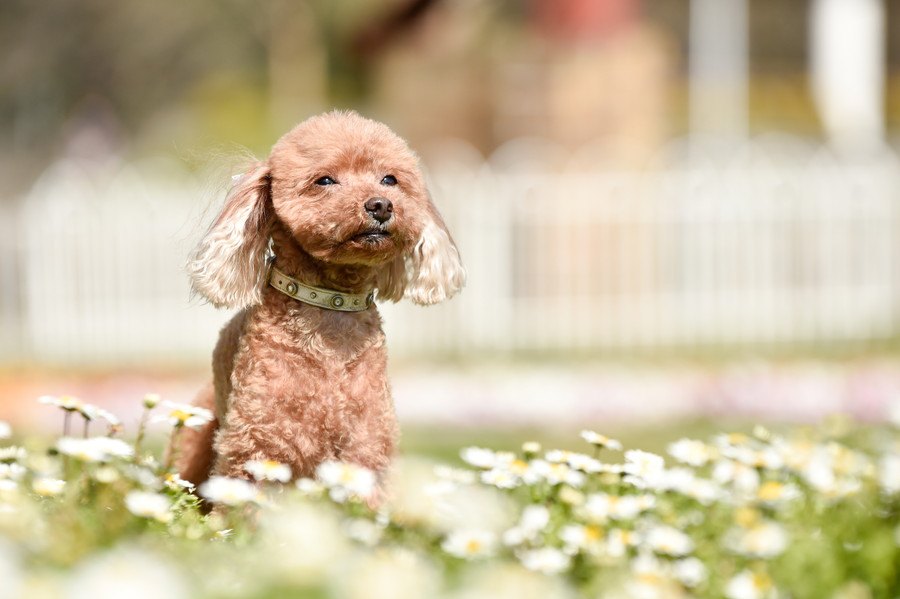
(299, 372)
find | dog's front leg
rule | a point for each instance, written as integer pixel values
(251, 433)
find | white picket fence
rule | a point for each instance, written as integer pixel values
(758, 251)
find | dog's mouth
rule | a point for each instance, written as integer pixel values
(371, 236)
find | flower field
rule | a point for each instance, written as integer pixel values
(741, 516)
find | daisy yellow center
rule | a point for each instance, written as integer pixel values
(746, 517)
(180, 415)
(518, 466)
(593, 533)
(762, 582)
(650, 578)
(473, 546)
(271, 464)
(70, 403)
(771, 490)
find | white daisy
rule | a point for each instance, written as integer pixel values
(230, 491)
(763, 539)
(533, 520)
(546, 560)
(570, 496)
(554, 474)
(744, 479)
(599, 440)
(500, 478)
(669, 541)
(618, 541)
(531, 447)
(12, 454)
(601, 507)
(650, 579)
(108, 474)
(12, 471)
(774, 493)
(94, 449)
(485, 458)
(703, 491)
(362, 530)
(268, 470)
(110, 418)
(47, 487)
(470, 544)
(691, 452)
(889, 473)
(689, 571)
(345, 481)
(576, 537)
(115, 448)
(642, 467)
(151, 400)
(180, 415)
(176, 483)
(578, 461)
(70, 404)
(749, 585)
(154, 506)
(309, 487)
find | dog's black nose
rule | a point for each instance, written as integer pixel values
(381, 209)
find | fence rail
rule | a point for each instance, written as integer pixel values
(753, 253)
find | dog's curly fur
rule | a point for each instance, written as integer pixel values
(293, 382)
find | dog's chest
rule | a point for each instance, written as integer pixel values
(323, 369)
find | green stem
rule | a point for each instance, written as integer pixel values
(140, 435)
(172, 449)
(67, 419)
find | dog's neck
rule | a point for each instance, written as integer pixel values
(292, 260)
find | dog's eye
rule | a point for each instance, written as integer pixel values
(325, 181)
(389, 180)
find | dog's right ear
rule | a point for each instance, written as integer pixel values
(228, 266)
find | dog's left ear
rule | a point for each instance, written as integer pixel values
(432, 270)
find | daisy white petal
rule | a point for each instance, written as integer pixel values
(228, 491)
(546, 560)
(346, 480)
(598, 440)
(149, 505)
(669, 541)
(48, 487)
(470, 544)
(268, 470)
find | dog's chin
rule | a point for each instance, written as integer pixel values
(372, 247)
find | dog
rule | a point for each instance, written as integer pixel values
(336, 219)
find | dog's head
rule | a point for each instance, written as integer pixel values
(349, 192)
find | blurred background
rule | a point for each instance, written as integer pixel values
(673, 212)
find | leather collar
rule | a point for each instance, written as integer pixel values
(316, 296)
